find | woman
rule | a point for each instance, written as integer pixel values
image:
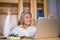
(25, 29)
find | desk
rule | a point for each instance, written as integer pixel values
(37, 39)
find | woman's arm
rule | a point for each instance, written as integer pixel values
(6, 25)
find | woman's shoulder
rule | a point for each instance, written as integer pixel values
(17, 27)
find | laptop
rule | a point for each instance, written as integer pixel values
(47, 28)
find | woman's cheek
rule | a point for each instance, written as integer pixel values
(26, 21)
(30, 20)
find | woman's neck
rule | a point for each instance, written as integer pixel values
(25, 26)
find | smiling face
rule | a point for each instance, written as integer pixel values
(27, 19)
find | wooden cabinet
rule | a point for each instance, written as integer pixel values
(19, 5)
(33, 6)
(4, 6)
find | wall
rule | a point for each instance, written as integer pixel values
(58, 8)
(52, 7)
(58, 11)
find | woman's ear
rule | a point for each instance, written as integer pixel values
(21, 22)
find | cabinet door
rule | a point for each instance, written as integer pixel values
(41, 8)
(26, 5)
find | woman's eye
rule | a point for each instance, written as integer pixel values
(26, 17)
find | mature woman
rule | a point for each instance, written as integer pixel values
(25, 29)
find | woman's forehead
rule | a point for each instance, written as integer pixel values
(29, 15)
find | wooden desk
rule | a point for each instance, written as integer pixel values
(37, 39)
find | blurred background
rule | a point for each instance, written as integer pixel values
(45, 13)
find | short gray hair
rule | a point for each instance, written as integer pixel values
(25, 12)
(22, 15)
